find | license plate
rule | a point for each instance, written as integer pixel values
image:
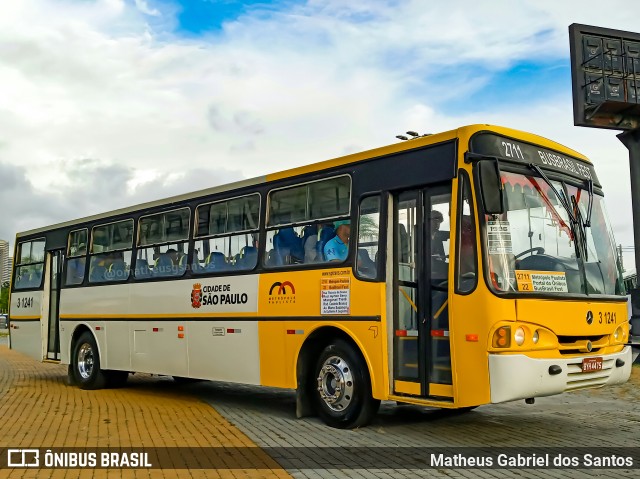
(591, 364)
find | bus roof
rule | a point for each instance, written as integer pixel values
(464, 133)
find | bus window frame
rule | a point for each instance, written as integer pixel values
(131, 248)
(465, 178)
(192, 243)
(269, 227)
(140, 218)
(133, 221)
(69, 255)
(196, 221)
(382, 239)
(140, 247)
(512, 167)
(65, 283)
(295, 224)
(17, 265)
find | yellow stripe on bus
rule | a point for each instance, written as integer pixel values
(24, 318)
(151, 316)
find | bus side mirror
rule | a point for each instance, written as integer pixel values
(491, 187)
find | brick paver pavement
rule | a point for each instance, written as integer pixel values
(38, 409)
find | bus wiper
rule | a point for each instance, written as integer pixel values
(582, 225)
(562, 198)
(587, 223)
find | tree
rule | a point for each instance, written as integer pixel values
(4, 298)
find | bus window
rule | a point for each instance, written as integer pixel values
(305, 217)
(368, 237)
(467, 270)
(77, 256)
(30, 265)
(229, 235)
(163, 244)
(110, 252)
(439, 227)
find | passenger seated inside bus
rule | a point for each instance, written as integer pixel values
(166, 264)
(337, 248)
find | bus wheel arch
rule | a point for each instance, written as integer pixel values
(332, 374)
(85, 367)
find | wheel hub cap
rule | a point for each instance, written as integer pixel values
(335, 383)
(85, 361)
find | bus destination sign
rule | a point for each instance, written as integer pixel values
(488, 144)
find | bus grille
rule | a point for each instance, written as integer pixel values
(571, 345)
(576, 379)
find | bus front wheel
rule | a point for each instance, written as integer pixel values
(343, 387)
(86, 363)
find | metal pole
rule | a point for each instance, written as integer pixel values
(631, 139)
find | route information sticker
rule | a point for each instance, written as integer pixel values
(499, 237)
(334, 295)
(544, 281)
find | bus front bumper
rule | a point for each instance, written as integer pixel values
(520, 377)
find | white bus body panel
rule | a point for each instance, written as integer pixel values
(140, 327)
(26, 332)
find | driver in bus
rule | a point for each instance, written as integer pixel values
(437, 248)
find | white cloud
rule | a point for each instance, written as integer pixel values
(110, 80)
(143, 6)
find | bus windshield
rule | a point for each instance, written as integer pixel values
(542, 243)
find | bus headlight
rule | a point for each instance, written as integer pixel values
(502, 337)
(536, 337)
(620, 334)
(519, 336)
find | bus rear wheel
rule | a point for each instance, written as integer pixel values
(343, 387)
(86, 363)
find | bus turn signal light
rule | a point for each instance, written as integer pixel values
(472, 337)
(502, 337)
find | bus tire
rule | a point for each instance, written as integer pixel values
(86, 363)
(342, 387)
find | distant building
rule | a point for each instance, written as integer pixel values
(5, 265)
(6, 272)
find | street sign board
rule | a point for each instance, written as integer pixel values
(605, 70)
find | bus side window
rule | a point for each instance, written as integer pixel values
(368, 237)
(467, 272)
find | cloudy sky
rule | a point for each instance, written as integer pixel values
(107, 103)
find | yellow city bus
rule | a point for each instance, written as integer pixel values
(452, 270)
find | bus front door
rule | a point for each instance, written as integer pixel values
(51, 305)
(421, 354)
